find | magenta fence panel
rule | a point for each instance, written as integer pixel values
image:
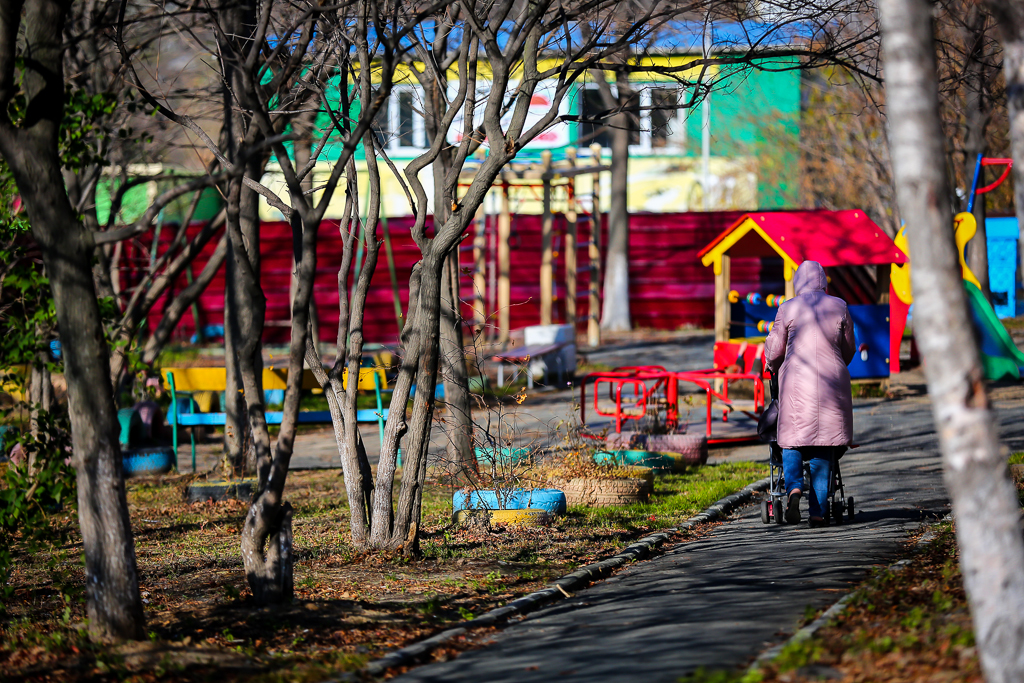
(669, 287)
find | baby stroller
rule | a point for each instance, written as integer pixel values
(773, 507)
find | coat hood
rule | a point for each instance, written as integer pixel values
(810, 277)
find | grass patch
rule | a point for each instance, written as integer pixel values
(909, 625)
(912, 624)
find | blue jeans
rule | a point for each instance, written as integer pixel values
(820, 463)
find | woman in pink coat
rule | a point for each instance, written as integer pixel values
(809, 347)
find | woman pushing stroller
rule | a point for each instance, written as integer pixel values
(809, 347)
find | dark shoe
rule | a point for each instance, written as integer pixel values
(816, 523)
(793, 509)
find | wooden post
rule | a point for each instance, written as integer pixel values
(479, 269)
(790, 291)
(546, 274)
(722, 307)
(570, 242)
(594, 304)
(504, 286)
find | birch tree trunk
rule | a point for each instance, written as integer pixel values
(615, 316)
(984, 500)
(113, 601)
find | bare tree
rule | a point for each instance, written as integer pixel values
(625, 102)
(984, 501)
(34, 71)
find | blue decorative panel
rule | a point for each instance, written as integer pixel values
(870, 327)
(1002, 234)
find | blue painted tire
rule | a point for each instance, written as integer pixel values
(659, 462)
(141, 462)
(506, 457)
(552, 500)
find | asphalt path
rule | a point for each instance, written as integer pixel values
(719, 601)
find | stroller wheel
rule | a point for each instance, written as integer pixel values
(777, 511)
(764, 512)
(849, 508)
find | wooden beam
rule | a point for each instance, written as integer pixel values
(504, 286)
(594, 304)
(722, 287)
(479, 268)
(882, 273)
(546, 270)
(570, 244)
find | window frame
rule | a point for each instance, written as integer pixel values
(393, 141)
(645, 90)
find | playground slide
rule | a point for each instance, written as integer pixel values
(999, 355)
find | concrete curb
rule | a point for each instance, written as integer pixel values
(808, 631)
(563, 586)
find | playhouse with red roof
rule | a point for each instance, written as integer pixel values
(856, 253)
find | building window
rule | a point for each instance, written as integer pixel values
(659, 125)
(399, 123)
(594, 129)
(668, 121)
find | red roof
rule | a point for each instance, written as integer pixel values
(832, 238)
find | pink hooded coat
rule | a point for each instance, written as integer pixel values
(809, 347)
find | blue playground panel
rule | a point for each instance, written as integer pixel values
(744, 317)
(871, 327)
(1001, 235)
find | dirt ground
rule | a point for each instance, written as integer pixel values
(348, 608)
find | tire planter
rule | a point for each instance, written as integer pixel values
(686, 449)
(593, 492)
(552, 501)
(658, 462)
(143, 462)
(203, 491)
(502, 457)
(527, 517)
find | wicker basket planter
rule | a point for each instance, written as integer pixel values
(594, 492)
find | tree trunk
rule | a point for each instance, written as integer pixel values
(457, 402)
(113, 602)
(238, 456)
(404, 534)
(984, 500)
(267, 533)
(977, 118)
(615, 316)
(236, 422)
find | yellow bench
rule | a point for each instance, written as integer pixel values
(206, 381)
